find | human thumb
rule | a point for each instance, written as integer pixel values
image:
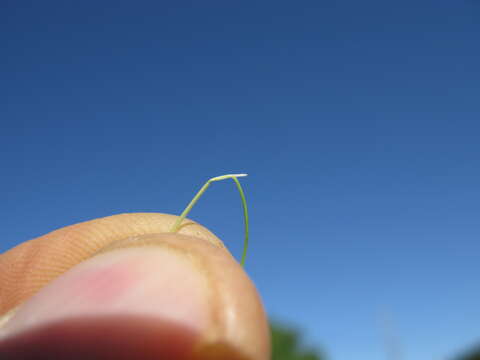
(123, 287)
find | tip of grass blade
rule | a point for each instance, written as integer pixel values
(234, 177)
(227, 176)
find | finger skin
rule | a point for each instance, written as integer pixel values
(79, 339)
(28, 267)
(239, 319)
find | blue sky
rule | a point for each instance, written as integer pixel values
(358, 122)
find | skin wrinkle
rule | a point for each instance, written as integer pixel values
(38, 271)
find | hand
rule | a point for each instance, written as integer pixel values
(123, 287)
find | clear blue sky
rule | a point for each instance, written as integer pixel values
(358, 122)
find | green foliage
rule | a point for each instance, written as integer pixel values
(472, 355)
(287, 345)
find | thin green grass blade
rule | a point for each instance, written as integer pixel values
(245, 218)
(197, 196)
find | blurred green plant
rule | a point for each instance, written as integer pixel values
(471, 355)
(287, 345)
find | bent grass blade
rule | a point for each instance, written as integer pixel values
(189, 207)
